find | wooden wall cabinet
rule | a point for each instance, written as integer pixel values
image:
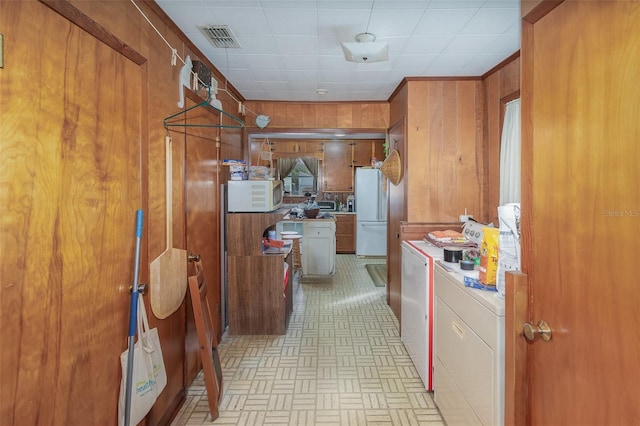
(339, 157)
(342, 157)
(337, 167)
(314, 148)
(259, 303)
(345, 233)
(286, 146)
(362, 153)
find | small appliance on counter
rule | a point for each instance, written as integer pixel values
(254, 195)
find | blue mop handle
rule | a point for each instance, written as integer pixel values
(136, 270)
(133, 317)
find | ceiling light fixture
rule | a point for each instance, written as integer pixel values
(321, 92)
(366, 49)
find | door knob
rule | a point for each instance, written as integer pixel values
(193, 257)
(542, 329)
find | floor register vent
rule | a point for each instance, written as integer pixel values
(220, 36)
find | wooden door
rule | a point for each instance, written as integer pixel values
(72, 167)
(581, 210)
(396, 213)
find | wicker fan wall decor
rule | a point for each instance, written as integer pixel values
(392, 167)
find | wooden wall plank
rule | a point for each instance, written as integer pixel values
(71, 185)
(322, 115)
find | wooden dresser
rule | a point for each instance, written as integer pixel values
(259, 300)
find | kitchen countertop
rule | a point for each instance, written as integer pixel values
(288, 218)
(331, 212)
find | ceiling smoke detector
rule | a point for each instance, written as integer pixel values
(220, 36)
(366, 49)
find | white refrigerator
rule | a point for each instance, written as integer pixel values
(371, 213)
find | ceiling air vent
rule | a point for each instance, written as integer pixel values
(220, 36)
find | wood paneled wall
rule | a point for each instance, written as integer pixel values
(82, 147)
(322, 115)
(501, 85)
(444, 149)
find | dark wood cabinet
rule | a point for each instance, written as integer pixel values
(345, 233)
(260, 302)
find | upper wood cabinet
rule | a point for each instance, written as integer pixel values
(339, 157)
(362, 152)
(286, 146)
(315, 148)
(337, 167)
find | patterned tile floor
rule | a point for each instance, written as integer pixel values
(340, 363)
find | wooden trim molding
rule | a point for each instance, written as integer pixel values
(501, 64)
(78, 18)
(515, 386)
(541, 10)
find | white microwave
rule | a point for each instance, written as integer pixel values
(254, 195)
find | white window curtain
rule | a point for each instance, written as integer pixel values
(510, 154)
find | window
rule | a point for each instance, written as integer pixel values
(300, 175)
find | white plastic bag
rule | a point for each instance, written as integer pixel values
(509, 243)
(149, 374)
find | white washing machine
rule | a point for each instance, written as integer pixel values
(468, 378)
(416, 307)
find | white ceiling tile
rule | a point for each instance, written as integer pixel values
(296, 45)
(274, 85)
(299, 62)
(469, 44)
(292, 21)
(420, 45)
(188, 15)
(247, 85)
(343, 25)
(259, 62)
(267, 75)
(503, 43)
(390, 22)
(256, 45)
(289, 4)
(443, 21)
(456, 4)
(492, 21)
(413, 64)
(450, 61)
(329, 46)
(291, 47)
(480, 64)
(296, 76)
(245, 21)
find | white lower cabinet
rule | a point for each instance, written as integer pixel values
(468, 378)
(318, 247)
